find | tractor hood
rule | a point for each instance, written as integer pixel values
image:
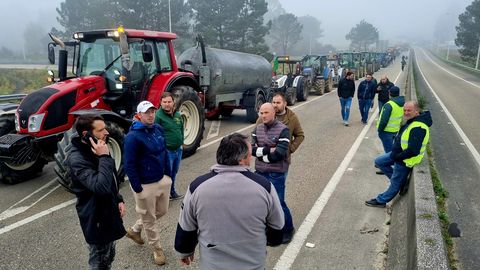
(48, 108)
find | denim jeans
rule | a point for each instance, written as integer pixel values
(174, 158)
(396, 172)
(387, 140)
(346, 103)
(364, 105)
(278, 181)
(380, 105)
(101, 256)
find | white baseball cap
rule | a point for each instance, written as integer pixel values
(144, 106)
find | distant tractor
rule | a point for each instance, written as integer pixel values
(352, 61)
(318, 74)
(289, 80)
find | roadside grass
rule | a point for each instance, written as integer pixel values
(441, 194)
(455, 61)
(15, 81)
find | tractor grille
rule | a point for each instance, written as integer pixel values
(31, 103)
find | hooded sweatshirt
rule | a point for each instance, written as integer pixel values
(414, 142)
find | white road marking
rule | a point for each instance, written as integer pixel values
(13, 210)
(36, 216)
(454, 75)
(65, 204)
(453, 122)
(214, 129)
(290, 253)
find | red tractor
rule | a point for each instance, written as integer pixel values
(112, 71)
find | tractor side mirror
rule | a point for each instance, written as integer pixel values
(147, 53)
(51, 53)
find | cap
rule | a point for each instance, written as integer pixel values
(144, 106)
(394, 91)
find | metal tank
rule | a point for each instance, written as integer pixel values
(225, 75)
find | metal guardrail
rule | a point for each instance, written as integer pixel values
(12, 97)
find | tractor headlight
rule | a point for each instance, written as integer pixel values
(35, 122)
(17, 122)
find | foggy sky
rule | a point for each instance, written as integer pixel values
(395, 20)
(400, 20)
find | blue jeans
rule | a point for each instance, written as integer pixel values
(346, 103)
(396, 172)
(364, 105)
(387, 140)
(380, 105)
(278, 181)
(101, 256)
(174, 158)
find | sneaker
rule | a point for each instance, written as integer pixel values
(159, 256)
(346, 123)
(288, 236)
(379, 172)
(175, 196)
(135, 236)
(375, 203)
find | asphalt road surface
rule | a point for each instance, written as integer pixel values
(39, 228)
(453, 97)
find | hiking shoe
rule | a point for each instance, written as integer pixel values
(379, 172)
(288, 236)
(135, 236)
(175, 196)
(375, 203)
(159, 256)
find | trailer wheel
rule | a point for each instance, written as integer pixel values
(291, 95)
(32, 163)
(252, 111)
(188, 103)
(302, 90)
(115, 146)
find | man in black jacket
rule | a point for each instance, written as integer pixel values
(346, 90)
(382, 91)
(100, 207)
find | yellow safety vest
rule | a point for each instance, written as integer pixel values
(395, 119)
(410, 162)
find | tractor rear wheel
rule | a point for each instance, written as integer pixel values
(188, 103)
(291, 95)
(26, 163)
(115, 146)
(302, 90)
(319, 86)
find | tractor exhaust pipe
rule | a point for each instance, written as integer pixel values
(62, 57)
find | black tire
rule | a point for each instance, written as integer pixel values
(188, 103)
(291, 95)
(302, 90)
(252, 111)
(225, 112)
(329, 84)
(11, 173)
(116, 134)
(319, 86)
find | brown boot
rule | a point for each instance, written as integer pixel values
(135, 236)
(159, 256)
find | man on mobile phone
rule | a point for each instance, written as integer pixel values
(100, 206)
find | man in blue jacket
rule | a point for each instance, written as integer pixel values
(365, 94)
(146, 165)
(99, 206)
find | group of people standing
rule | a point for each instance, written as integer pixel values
(232, 213)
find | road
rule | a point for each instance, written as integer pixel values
(453, 96)
(43, 232)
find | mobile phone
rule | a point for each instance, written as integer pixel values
(87, 137)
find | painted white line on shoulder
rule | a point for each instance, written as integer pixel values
(36, 216)
(454, 75)
(290, 253)
(452, 121)
(214, 129)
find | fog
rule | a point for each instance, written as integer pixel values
(406, 20)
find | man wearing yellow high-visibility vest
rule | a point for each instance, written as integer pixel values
(407, 151)
(390, 118)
